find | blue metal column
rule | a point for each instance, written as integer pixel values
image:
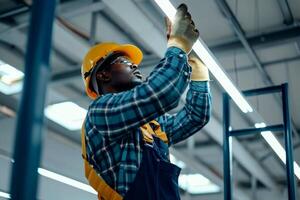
(288, 143)
(226, 149)
(31, 111)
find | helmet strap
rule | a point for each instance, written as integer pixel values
(106, 60)
(95, 84)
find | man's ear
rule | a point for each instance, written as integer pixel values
(103, 76)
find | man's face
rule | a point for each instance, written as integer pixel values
(124, 75)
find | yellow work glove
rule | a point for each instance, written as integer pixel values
(181, 32)
(199, 70)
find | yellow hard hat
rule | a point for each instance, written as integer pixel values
(101, 51)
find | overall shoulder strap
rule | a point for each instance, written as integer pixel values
(105, 192)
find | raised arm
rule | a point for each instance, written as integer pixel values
(196, 112)
(192, 117)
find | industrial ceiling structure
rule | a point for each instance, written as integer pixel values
(256, 42)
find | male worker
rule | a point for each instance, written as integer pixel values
(127, 131)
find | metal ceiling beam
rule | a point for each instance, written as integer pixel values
(286, 12)
(282, 36)
(18, 10)
(242, 37)
(79, 46)
(72, 9)
(66, 10)
(66, 76)
(119, 27)
(138, 24)
(265, 64)
(18, 40)
(93, 29)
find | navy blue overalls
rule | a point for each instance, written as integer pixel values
(157, 178)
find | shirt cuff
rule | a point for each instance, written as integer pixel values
(171, 51)
(200, 86)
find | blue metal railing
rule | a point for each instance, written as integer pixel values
(286, 127)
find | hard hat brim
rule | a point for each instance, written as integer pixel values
(133, 52)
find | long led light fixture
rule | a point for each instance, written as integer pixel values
(194, 183)
(211, 62)
(11, 79)
(5, 195)
(276, 146)
(59, 178)
(197, 184)
(67, 114)
(66, 180)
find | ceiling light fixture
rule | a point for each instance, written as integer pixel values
(66, 180)
(194, 183)
(5, 195)
(67, 114)
(197, 184)
(11, 79)
(276, 146)
(177, 162)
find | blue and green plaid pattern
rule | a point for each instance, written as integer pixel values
(113, 137)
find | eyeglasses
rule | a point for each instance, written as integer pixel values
(105, 62)
(122, 60)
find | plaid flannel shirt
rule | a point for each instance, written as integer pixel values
(113, 137)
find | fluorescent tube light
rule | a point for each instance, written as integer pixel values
(66, 180)
(276, 146)
(177, 162)
(10, 79)
(167, 8)
(197, 184)
(67, 114)
(59, 178)
(215, 68)
(211, 62)
(5, 195)
(194, 183)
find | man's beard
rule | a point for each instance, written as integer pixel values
(129, 86)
